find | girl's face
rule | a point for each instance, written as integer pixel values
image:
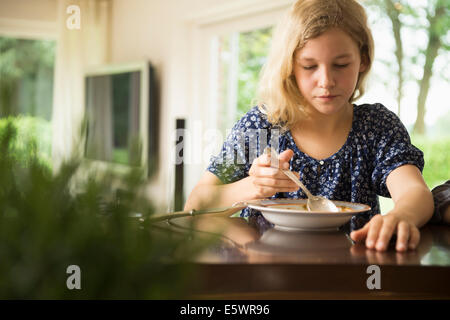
(326, 70)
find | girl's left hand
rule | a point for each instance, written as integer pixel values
(379, 230)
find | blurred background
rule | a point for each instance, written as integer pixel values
(207, 55)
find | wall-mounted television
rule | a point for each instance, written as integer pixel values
(122, 117)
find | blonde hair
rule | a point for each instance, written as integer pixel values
(278, 94)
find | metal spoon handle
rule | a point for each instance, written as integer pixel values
(226, 211)
(273, 153)
(292, 176)
(179, 214)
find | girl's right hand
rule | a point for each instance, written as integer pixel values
(267, 180)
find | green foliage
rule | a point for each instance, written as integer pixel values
(26, 76)
(440, 128)
(34, 136)
(19, 56)
(432, 20)
(48, 224)
(253, 50)
(437, 158)
(120, 155)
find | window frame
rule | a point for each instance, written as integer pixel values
(205, 28)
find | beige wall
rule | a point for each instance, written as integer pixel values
(29, 9)
(145, 28)
(28, 18)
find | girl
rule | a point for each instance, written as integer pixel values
(320, 57)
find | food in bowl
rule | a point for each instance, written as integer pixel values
(303, 207)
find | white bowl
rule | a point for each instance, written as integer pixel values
(312, 244)
(288, 214)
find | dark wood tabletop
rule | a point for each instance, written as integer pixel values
(253, 264)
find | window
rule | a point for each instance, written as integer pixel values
(26, 88)
(228, 45)
(241, 57)
(26, 77)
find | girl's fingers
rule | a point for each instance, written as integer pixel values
(379, 230)
(414, 238)
(260, 163)
(268, 178)
(376, 224)
(267, 191)
(265, 172)
(261, 169)
(275, 183)
(385, 235)
(263, 160)
(403, 230)
(285, 156)
(361, 234)
(281, 162)
(274, 178)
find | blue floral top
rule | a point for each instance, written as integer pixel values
(377, 144)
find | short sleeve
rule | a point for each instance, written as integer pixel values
(240, 148)
(392, 147)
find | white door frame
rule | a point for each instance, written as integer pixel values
(204, 27)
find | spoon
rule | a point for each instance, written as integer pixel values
(314, 203)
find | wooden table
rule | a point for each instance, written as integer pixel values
(252, 264)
